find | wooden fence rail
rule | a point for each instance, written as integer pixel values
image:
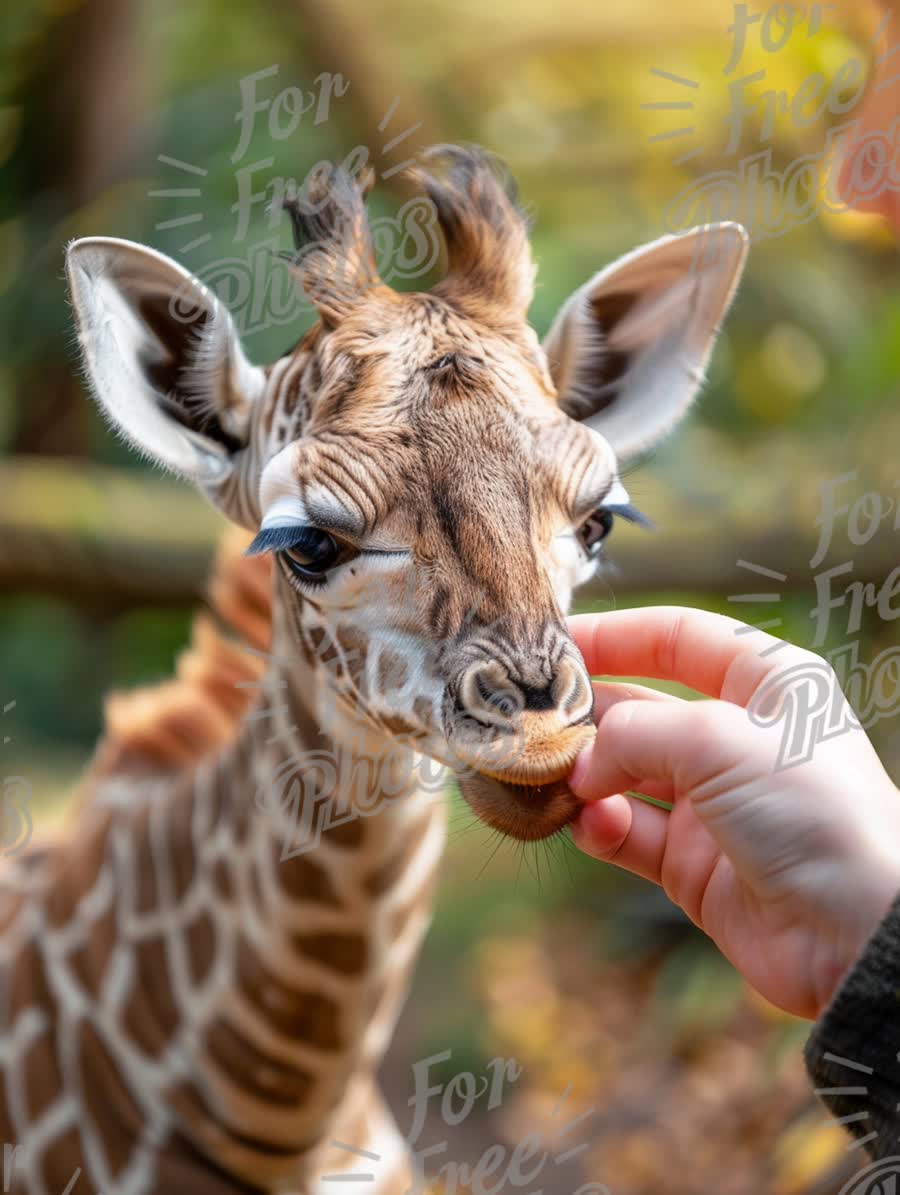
(112, 539)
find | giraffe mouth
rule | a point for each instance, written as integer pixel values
(523, 792)
(540, 755)
(525, 812)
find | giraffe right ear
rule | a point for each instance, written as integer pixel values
(162, 356)
(628, 351)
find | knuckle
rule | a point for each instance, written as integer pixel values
(617, 720)
(667, 647)
(706, 726)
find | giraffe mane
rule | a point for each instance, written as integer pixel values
(177, 722)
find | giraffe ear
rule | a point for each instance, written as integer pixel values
(628, 350)
(162, 356)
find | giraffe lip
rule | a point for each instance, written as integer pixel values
(542, 760)
(527, 777)
(527, 813)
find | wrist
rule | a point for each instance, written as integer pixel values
(860, 907)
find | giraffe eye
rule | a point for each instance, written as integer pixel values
(312, 553)
(594, 530)
(597, 526)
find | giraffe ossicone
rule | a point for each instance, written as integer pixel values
(186, 1004)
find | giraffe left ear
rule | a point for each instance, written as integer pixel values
(162, 356)
(628, 350)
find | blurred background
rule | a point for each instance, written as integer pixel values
(139, 119)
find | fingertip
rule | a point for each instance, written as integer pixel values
(580, 771)
(602, 826)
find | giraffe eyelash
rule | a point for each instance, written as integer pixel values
(295, 535)
(277, 539)
(631, 514)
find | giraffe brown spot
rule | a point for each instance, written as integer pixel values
(302, 879)
(180, 843)
(396, 724)
(90, 960)
(240, 820)
(223, 880)
(348, 833)
(256, 889)
(329, 655)
(393, 671)
(305, 1015)
(8, 1129)
(27, 982)
(62, 1161)
(78, 871)
(316, 636)
(354, 646)
(211, 801)
(146, 885)
(254, 1071)
(151, 1014)
(201, 944)
(116, 1116)
(182, 1167)
(41, 1075)
(268, 411)
(346, 953)
(217, 1133)
(423, 710)
(383, 878)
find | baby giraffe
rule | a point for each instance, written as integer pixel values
(200, 977)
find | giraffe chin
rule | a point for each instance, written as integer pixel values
(526, 812)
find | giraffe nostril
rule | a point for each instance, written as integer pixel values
(572, 690)
(504, 699)
(489, 694)
(486, 694)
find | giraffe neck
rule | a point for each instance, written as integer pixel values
(285, 886)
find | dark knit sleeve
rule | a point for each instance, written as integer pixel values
(853, 1053)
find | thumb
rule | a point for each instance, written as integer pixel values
(686, 743)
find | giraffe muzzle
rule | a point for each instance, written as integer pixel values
(516, 744)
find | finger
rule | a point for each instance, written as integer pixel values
(682, 743)
(659, 790)
(626, 831)
(610, 693)
(715, 655)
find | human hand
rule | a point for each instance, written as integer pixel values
(789, 870)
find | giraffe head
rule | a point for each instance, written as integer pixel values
(432, 480)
